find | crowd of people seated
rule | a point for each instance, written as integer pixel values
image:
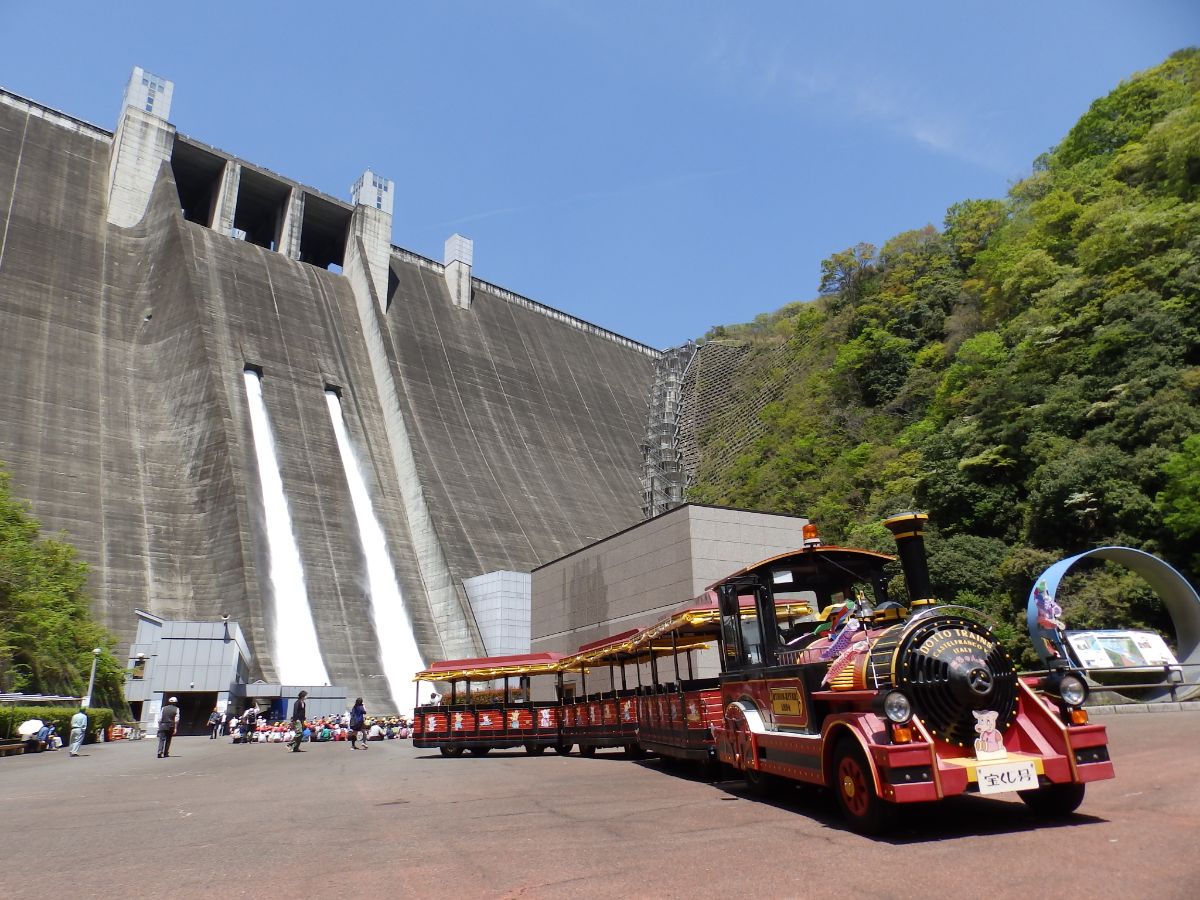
(329, 728)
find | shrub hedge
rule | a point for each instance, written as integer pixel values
(12, 716)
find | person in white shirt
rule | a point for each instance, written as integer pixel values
(79, 723)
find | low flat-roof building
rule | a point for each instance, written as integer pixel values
(204, 665)
(637, 576)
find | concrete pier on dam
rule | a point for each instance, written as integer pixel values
(142, 273)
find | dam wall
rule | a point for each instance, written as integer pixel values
(494, 434)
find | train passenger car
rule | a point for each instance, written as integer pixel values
(892, 704)
(485, 719)
(676, 707)
(604, 718)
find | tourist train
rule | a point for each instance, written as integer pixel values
(823, 679)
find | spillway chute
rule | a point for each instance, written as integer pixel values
(398, 652)
(295, 648)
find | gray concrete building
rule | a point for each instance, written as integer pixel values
(206, 665)
(142, 272)
(639, 575)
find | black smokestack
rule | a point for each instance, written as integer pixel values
(907, 529)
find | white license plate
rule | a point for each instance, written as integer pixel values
(1002, 777)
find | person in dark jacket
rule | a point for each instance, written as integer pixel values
(249, 723)
(168, 722)
(358, 724)
(299, 714)
(214, 724)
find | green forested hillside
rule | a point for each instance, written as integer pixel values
(1029, 374)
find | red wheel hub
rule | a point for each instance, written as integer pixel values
(852, 782)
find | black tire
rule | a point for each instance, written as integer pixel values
(563, 749)
(478, 751)
(535, 749)
(455, 751)
(445, 751)
(1054, 801)
(764, 784)
(587, 750)
(865, 812)
(634, 751)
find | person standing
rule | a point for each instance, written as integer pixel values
(168, 721)
(214, 724)
(358, 721)
(250, 723)
(299, 714)
(79, 723)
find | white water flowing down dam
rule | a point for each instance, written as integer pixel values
(398, 650)
(294, 636)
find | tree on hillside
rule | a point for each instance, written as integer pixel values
(46, 630)
(1030, 375)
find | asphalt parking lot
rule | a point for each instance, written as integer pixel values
(228, 820)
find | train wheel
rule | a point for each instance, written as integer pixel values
(563, 749)
(479, 751)
(535, 749)
(861, 806)
(1054, 801)
(762, 783)
(587, 750)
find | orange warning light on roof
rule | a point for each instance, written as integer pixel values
(812, 537)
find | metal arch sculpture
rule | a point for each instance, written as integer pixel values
(1179, 597)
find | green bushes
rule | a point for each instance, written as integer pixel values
(60, 716)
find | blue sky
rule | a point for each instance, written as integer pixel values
(657, 167)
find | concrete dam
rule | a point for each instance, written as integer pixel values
(152, 287)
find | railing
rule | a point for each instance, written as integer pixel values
(1173, 679)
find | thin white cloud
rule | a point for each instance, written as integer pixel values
(776, 73)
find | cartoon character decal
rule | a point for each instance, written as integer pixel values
(990, 741)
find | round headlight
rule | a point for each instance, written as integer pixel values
(897, 708)
(1072, 690)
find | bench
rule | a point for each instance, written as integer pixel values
(11, 747)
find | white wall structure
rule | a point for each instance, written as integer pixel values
(289, 242)
(500, 601)
(373, 190)
(369, 286)
(142, 143)
(371, 227)
(460, 256)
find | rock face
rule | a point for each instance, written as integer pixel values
(499, 435)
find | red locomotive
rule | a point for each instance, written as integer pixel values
(824, 679)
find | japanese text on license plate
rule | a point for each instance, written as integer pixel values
(1016, 776)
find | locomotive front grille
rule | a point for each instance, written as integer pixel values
(949, 667)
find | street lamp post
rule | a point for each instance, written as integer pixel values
(92, 678)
